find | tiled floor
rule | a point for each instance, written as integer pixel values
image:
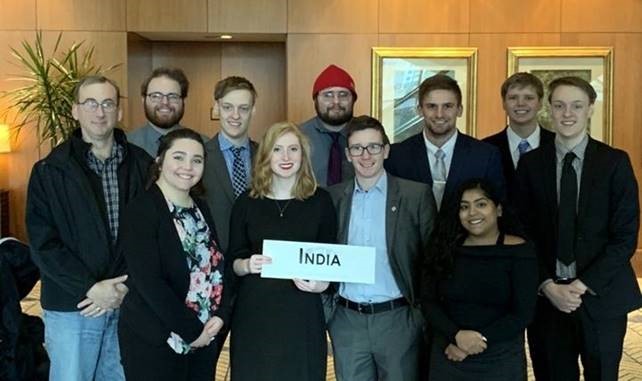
(630, 367)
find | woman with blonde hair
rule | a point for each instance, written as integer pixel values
(278, 328)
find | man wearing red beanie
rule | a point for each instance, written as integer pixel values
(334, 95)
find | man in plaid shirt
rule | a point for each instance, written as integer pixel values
(73, 203)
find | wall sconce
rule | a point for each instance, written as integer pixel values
(5, 144)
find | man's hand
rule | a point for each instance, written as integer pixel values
(454, 353)
(104, 296)
(565, 297)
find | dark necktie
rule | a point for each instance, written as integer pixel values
(567, 213)
(334, 161)
(239, 178)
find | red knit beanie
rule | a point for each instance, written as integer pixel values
(333, 76)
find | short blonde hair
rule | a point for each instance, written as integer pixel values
(261, 186)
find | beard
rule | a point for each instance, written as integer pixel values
(164, 123)
(334, 119)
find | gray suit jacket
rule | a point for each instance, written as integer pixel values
(218, 189)
(410, 214)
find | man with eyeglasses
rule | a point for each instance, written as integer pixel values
(163, 94)
(376, 329)
(74, 200)
(228, 165)
(334, 95)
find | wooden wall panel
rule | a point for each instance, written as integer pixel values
(423, 40)
(332, 16)
(491, 73)
(201, 62)
(601, 16)
(139, 66)
(264, 65)
(17, 15)
(82, 15)
(247, 16)
(308, 55)
(424, 16)
(492, 16)
(167, 16)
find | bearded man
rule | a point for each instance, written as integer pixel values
(334, 95)
(163, 95)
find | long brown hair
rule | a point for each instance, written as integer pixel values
(261, 186)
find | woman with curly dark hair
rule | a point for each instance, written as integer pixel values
(479, 289)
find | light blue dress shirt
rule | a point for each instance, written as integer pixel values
(226, 147)
(368, 228)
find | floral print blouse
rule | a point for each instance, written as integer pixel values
(205, 263)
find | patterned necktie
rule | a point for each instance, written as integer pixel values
(239, 177)
(523, 147)
(567, 212)
(334, 160)
(439, 177)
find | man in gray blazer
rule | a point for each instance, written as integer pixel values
(376, 329)
(228, 166)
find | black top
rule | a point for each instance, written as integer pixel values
(492, 290)
(278, 331)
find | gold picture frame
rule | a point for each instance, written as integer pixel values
(397, 74)
(595, 64)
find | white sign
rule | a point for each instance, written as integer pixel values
(319, 261)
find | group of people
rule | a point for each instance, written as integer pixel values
(150, 244)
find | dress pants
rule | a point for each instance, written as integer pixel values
(556, 340)
(382, 346)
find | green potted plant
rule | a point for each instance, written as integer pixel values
(45, 100)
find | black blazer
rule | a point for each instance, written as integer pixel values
(158, 273)
(608, 219)
(500, 140)
(471, 159)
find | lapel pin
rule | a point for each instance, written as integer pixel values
(394, 208)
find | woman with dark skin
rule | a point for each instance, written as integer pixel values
(479, 290)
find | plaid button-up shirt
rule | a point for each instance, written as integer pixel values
(108, 172)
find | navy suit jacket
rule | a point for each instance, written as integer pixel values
(500, 140)
(471, 159)
(608, 220)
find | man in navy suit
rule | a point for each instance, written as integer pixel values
(578, 199)
(440, 156)
(522, 96)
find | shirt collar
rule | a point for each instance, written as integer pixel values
(225, 144)
(163, 131)
(561, 150)
(448, 147)
(380, 186)
(514, 139)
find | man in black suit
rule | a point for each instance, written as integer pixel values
(579, 201)
(228, 164)
(522, 96)
(440, 156)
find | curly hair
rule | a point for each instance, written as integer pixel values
(449, 232)
(261, 185)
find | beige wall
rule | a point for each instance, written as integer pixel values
(317, 34)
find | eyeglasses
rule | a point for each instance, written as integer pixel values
(372, 148)
(157, 97)
(329, 96)
(91, 105)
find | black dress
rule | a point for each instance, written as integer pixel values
(492, 290)
(278, 331)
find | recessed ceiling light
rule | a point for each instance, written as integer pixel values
(226, 37)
